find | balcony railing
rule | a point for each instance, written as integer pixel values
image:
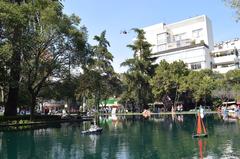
(177, 44)
(225, 59)
(174, 45)
(225, 69)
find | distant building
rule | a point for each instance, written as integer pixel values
(191, 41)
(225, 56)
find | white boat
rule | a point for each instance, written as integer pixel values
(96, 130)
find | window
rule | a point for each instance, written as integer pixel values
(197, 33)
(162, 38)
(196, 66)
(179, 37)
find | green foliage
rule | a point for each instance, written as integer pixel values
(235, 4)
(169, 79)
(54, 44)
(201, 84)
(98, 81)
(233, 79)
(177, 81)
(47, 42)
(140, 71)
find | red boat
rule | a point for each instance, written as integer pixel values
(201, 130)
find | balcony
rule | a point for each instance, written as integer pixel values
(177, 44)
(224, 69)
(174, 45)
(225, 59)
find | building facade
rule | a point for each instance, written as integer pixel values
(191, 41)
(225, 56)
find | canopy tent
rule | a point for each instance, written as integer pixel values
(111, 102)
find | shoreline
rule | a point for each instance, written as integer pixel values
(30, 124)
(161, 113)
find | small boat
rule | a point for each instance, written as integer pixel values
(96, 130)
(201, 130)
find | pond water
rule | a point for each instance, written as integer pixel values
(133, 137)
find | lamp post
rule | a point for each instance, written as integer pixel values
(2, 94)
(66, 107)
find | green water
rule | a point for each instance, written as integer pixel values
(130, 137)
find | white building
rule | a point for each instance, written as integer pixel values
(190, 40)
(225, 56)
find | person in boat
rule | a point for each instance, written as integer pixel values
(93, 126)
(201, 110)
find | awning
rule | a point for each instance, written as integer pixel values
(231, 102)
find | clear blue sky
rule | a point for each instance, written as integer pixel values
(115, 16)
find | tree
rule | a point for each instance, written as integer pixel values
(233, 79)
(235, 4)
(161, 81)
(201, 84)
(102, 65)
(4, 67)
(13, 22)
(47, 56)
(97, 80)
(168, 80)
(46, 39)
(141, 69)
(17, 18)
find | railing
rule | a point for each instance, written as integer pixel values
(177, 44)
(174, 44)
(225, 59)
(224, 69)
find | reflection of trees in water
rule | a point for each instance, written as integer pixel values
(10, 146)
(225, 139)
(65, 141)
(155, 146)
(136, 138)
(19, 142)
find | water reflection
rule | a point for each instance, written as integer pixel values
(159, 136)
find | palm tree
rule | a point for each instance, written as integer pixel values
(102, 66)
(141, 69)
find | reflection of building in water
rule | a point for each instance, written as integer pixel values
(113, 121)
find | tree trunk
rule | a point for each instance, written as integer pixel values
(33, 104)
(15, 68)
(98, 100)
(176, 97)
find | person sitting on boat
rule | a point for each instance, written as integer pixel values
(201, 110)
(93, 126)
